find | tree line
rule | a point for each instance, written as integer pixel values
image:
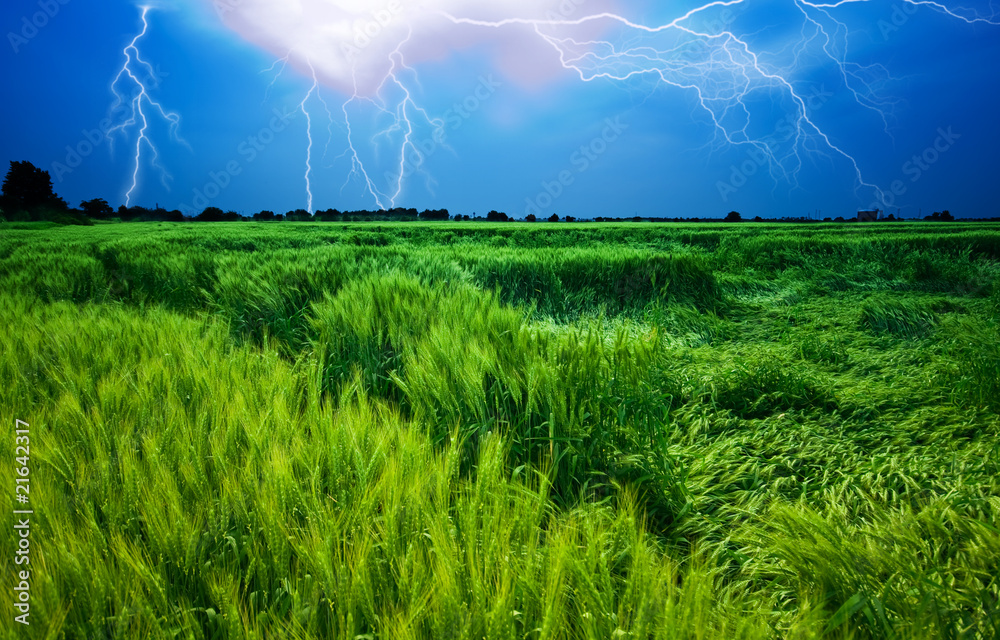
(28, 195)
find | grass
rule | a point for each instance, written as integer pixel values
(506, 431)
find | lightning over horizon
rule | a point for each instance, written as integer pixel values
(723, 72)
(143, 79)
(790, 106)
(737, 80)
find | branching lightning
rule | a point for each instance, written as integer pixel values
(312, 89)
(734, 81)
(142, 79)
(729, 71)
(394, 103)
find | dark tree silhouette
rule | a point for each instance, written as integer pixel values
(554, 217)
(940, 216)
(530, 218)
(734, 216)
(97, 208)
(210, 214)
(28, 188)
(330, 215)
(497, 216)
(142, 214)
(215, 214)
(434, 214)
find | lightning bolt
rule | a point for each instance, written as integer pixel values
(395, 101)
(314, 89)
(734, 81)
(954, 13)
(142, 78)
(727, 72)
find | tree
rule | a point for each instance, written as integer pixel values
(434, 214)
(215, 214)
(210, 214)
(734, 216)
(940, 216)
(264, 216)
(28, 188)
(129, 214)
(497, 216)
(330, 215)
(530, 218)
(97, 208)
(554, 218)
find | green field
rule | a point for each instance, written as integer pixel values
(257, 430)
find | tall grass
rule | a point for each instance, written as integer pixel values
(392, 431)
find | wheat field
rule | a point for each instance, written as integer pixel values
(361, 431)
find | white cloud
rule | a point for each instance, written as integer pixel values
(351, 42)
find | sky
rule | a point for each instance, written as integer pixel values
(576, 107)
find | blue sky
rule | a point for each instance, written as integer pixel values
(770, 108)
